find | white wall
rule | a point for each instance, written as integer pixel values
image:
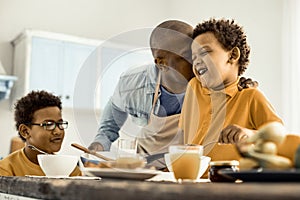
(102, 19)
(97, 19)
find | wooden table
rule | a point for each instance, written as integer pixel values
(45, 188)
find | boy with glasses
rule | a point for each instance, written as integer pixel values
(40, 125)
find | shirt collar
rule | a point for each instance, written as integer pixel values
(230, 90)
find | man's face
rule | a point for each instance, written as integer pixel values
(165, 59)
(173, 56)
(47, 140)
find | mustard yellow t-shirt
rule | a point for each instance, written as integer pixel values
(17, 164)
(205, 113)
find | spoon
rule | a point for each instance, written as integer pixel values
(86, 150)
(36, 149)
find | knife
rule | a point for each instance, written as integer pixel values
(153, 157)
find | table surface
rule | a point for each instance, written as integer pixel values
(46, 188)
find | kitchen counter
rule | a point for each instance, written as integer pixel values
(46, 188)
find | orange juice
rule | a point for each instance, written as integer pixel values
(185, 165)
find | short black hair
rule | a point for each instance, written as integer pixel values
(230, 35)
(172, 36)
(173, 25)
(33, 101)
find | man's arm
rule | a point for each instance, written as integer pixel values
(246, 83)
(112, 120)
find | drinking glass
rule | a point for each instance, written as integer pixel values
(186, 161)
(127, 148)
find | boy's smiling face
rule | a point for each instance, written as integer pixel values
(211, 62)
(47, 140)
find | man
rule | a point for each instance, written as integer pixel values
(152, 95)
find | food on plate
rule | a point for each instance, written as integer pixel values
(261, 150)
(274, 132)
(267, 147)
(124, 163)
(130, 162)
(271, 161)
(93, 164)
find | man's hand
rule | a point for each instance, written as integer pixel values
(234, 134)
(246, 83)
(96, 146)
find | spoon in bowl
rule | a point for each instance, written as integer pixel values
(36, 149)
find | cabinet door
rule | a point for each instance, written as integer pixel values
(55, 66)
(75, 55)
(117, 61)
(46, 65)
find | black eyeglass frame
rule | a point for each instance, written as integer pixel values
(47, 124)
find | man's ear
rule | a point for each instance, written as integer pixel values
(24, 131)
(234, 55)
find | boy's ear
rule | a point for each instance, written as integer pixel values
(234, 55)
(24, 131)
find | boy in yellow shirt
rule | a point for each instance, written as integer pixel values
(214, 110)
(39, 123)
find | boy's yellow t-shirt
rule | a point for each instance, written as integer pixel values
(205, 113)
(17, 164)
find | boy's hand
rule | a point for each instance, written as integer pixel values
(234, 134)
(246, 83)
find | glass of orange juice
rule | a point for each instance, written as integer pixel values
(186, 161)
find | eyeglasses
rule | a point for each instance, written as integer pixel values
(51, 125)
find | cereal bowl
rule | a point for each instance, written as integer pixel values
(204, 163)
(57, 165)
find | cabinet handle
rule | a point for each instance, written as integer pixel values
(67, 97)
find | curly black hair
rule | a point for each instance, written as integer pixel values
(230, 35)
(33, 101)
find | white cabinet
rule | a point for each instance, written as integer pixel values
(81, 71)
(50, 61)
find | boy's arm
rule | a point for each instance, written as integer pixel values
(234, 133)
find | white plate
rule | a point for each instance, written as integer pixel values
(136, 174)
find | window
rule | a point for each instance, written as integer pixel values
(291, 65)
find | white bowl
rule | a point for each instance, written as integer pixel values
(204, 163)
(57, 165)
